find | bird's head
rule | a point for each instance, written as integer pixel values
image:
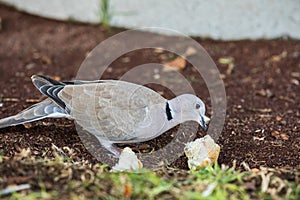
(188, 107)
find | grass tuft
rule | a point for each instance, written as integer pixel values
(59, 177)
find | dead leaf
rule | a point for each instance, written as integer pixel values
(255, 170)
(261, 92)
(27, 125)
(265, 181)
(190, 51)
(229, 61)
(46, 60)
(10, 100)
(23, 154)
(57, 78)
(222, 76)
(262, 110)
(258, 138)
(279, 57)
(265, 116)
(177, 64)
(265, 93)
(295, 81)
(287, 99)
(32, 100)
(230, 68)
(127, 190)
(284, 136)
(295, 74)
(278, 118)
(265, 110)
(275, 133)
(226, 60)
(246, 166)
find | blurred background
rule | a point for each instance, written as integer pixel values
(216, 19)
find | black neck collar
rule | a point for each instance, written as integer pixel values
(168, 112)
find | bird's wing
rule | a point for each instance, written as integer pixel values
(112, 110)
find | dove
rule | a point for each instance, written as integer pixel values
(114, 111)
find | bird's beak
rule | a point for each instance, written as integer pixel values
(206, 119)
(203, 121)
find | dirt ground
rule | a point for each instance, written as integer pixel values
(262, 125)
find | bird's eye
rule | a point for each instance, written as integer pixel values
(197, 106)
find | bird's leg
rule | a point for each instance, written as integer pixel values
(111, 148)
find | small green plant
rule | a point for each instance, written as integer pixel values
(220, 183)
(105, 13)
(60, 178)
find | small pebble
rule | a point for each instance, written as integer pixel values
(295, 54)
(158, 50)
(156, 76)
(128, 161)
(109, 69)
(126, 59)
(278, 118)
(30, 66)
(201, 152)
(295, 81)
(27, 125)
(283, 122)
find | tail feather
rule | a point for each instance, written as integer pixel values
(50, 88)
(44, 109)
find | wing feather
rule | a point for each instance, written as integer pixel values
(110, 109)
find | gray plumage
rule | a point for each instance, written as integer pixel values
(114, 111)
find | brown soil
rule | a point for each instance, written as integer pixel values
(263, 112)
